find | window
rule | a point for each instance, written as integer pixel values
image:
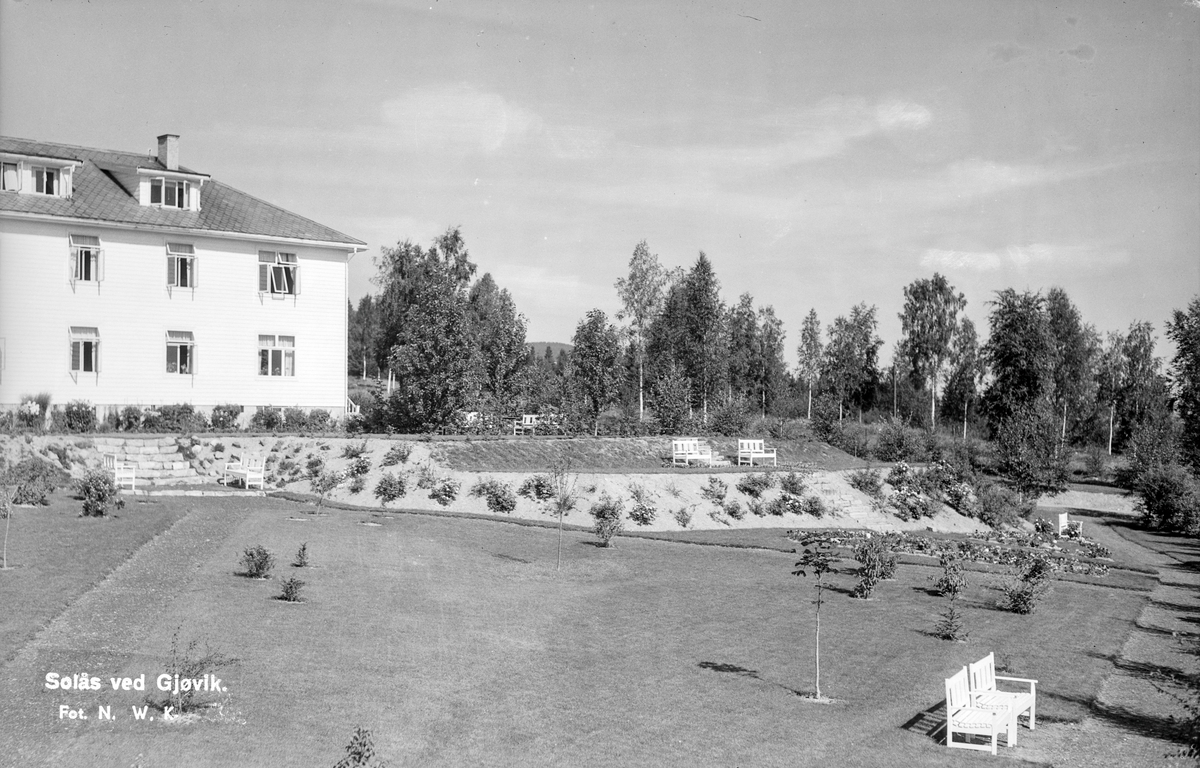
(45, 180)
(169, 193)
(181, 265)
(276, 355)
(278, 273)
(181, 352)
(11, 179)
(85, 261)
(85, 350)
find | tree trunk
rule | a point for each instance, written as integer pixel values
(641, 386)
(966, 404)
(810, 401)
(1064, 426)
(894, 409)
(933, 404)
(818, 640)
(558, 566)
(1111, 415)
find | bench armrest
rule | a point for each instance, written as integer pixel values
(1018, 679)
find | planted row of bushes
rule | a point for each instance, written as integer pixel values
(79, 416)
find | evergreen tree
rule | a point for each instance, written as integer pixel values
(773, 376)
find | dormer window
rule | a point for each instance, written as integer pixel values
(11, 178)
(170, 193)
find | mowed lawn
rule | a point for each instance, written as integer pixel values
(457, 642)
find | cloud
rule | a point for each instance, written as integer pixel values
(1082, 52)
(1023, 257)
(902, 115)
(457, 117)
(1006, 52)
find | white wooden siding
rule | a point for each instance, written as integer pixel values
(133, 308)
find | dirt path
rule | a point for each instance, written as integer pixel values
(1131, 722)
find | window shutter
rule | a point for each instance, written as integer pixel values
(75, 355)
(192, 277)
(99, 274)
(296, 279)
(172, 270)
(192, 359)
(264, 278)
(73, 266)
(96, 355)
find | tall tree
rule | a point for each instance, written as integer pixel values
(743, 348)
(1076, 347)
(928, 322)
(1184, 329)
(362, 331)
(432, 357)
(498, 336)
(811, 353)
(771, 367)
(642, 294)
(1144, 395)
(967, 371)
(1110, 379)
(1019, 353)
(704, 356)
(851, 357)
(595, 364)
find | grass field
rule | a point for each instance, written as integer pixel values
(456, 642)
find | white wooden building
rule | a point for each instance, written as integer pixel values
(127, 279)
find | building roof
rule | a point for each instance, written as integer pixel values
(104, 189)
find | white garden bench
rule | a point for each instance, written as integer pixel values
(685, 450)
(248, 468)
(122, 471)
(754, 449)
(527, 425)
(985, 695)
(966, 719)
(1065, 524)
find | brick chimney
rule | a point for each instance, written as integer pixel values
(168, 151)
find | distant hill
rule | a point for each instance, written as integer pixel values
(539, 347)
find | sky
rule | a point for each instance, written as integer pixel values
(821, 154)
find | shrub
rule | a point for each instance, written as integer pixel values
(643, 511)
(1030, 583)
(813, 505)
(872, 555)
(301, 560)
(715, 491)
(1029, 453)
(730, 419)
(1093, 463)
(607, 513)
(360, 752)
(951, 626)
(910, 504)
(869, 481)
(953, 580)
(1170, 499)
(359, 466)
(226, 416)
(389, 488)
(267, 419)
(997, 506)
(785, 503)
(757, 507)
(181, 417)
(733, 509)
(537, 488)
(295, 419)
(129, 419)
(34, 479)
(792, 483)
(755, 483)
(896, 442)
(353, 450)
(357, 484)
(189, 664)
(79, 416)
(319, 420)
(445, 491)
(426, 478)
(99, 492)
(325, 483)
(500, 496)
(683, 516)
(397, 454)
(33, 410)
(257, 562)
(290, 590)
(314, 466)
